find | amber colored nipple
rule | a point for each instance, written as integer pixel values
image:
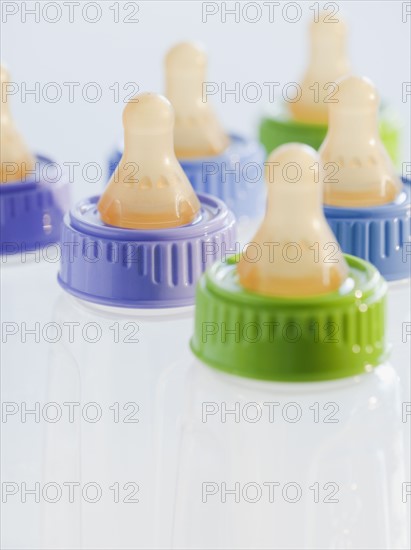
(363, 174)
(197, 132)
(294, 252)
(328, 63)
(149, 189)
(16, 159)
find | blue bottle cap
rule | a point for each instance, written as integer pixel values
(380, 234)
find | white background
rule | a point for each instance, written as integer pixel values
(107, 52)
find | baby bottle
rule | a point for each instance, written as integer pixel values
(368, 208)
(130, 274)
(33, 197)
(225, 166)
(291, 435)
(34, 193)
(305, 117)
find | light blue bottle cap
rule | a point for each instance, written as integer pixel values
(379, 234)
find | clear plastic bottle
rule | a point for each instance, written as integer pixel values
(291, 431)
(34, 195)
(131, 263)
(369, 208)
(112, 372)
(290, 465)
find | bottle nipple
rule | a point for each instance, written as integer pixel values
(16, 159)
(197, 131)
(364, 174)
(294, 252)
(328, 63)
(149, 189)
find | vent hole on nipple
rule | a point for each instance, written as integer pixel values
(145, 183)
(162, 183)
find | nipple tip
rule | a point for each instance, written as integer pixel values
(148, 112)
(292, 163)
(329, 23)
(357, 93)
(299, 156)
(186, 56)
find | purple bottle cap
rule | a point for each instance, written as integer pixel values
(138, 268)
(32, 210)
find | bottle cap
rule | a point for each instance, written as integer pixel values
(32, 210)
(378, 234)
(197, 131)
(141, 268)
(148, 189)
(16, 159)
(147, 240)
(299, 255)
(365, 175)
(234, 176)
(34, 193)
(300, 339)
(328, 63)
(314, 315)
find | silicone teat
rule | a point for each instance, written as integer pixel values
(328, 63)
(15, 157)
(366, 175)
(149, 189)
(294, 252)
(197, 131)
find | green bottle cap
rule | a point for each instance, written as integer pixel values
(296, 339)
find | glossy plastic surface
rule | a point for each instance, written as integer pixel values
(285, 466)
